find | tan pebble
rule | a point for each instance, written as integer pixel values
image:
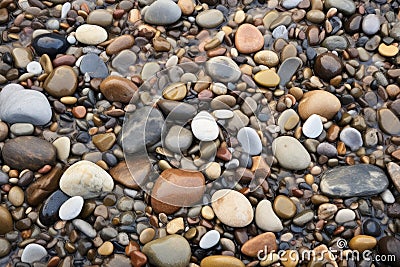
(388, 50)
(362, 243)
(207, 213)
(175, 226)
(147, 235)
(68, 100)
(289, 259)
(16, 196)
(221, 260)
(267, 78)
(106, 249)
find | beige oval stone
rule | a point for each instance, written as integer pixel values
(187, 6)
(147, 235)
(318, 102)
(16, 196)
(6, 221)
(284, 207)
(221, 260)
(175, 91)
(91, 34)
(120, 43)
(267, 78)
(248, 39)
(106, 248)
(104, 141)
(266, 57)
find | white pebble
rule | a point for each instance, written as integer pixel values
(71, 208)
(71, 39)
(65, 9)
(388, 197)
(209, 239)
(32, 253)
(204, 126)
(312, 127)
(34, 67)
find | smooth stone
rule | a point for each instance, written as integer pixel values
(388, 50)
(388, 121)
(33, 253)
(106, 249)
(123, 61)
(62, 81)
(210, 239)
(187, 6)
(327, 149)
(177, 188)
(326, 211)
(204, 127)
(288, 68)
(51, 44)
(284, 207)
(224, 201)
(22, 57)
(120, 43)
(177, 112)
(118, 89)
(362, 243)
(267, 78)
(5, 247)
(344, 215)
(394, 173)
(352, 181)
(371, 24)
(63, 147)
(162, 12)
(71, 208)
(347, 7)
(48, 213)
(389, 246)
(28, 152)
(104, 141)
(175, 91)
(318, 102)
(289, 4)
(328, 66)
(290, 153)
(352, 138)
(100, 17)
(19, 129)
(210, 18)
(86, 179)
(91, 34)
(303, 217)
(16, 196)
(34, 67)
(266, 57)
(266, 218)
(118, 260)
(288, 120)
(339, 43)
(84, 227)
(18, 105)
(6, 221)
(250, 141)
(223, 69)
(223, 114)
(145, 122)
(221, 260)
(248, 39)
(149, 69)
(312, 127)
(169, 251)
(315, 16)
(94, 66)
(178, 139)
(395, 31)
(371, 227)
(265, 241)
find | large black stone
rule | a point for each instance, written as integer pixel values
(354, 181)
(48, 214)
(50, 44)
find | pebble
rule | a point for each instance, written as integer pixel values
(34, 67)
(248, 39)
(223, 69)
(371, 24)
(394, 173)
(303, 217)
(119, 89)
(162, 12)
(352, 138)
(362, 243)
(91, 34)
(266, 57)
(326, 211)
(184, 188)
(345, 181)
(388, 245)
(5, 247)
(169, 251)
(123, 61)
(62, 81)
(19, 129)
(265, 242)
(178, 139)
(388, 50)
(33, 253)
(28, 152)
(120, 43)
(209, 239)
(210, 18)
(288, 68)
(328, 66)
(94, 66)
(104, 141)
(6, 221)
(344, 215)
(318, 102)
(106, 249)
(86, 179)
(372, 228)
(100, 17)
(49, 211)
(266, 218)
(312, 127)
(63, 147)
(225, 200)
(84, 227)
(16, 196)
(22, 57)
(347, 7)
(15, 107)
(284, 207)
(71, 208)
(250, 141)
(51, 44)
(221, 260)
(267, 78)
(388, 121)
(290, 153)
(289, 4)
(204, 126)
(176, 225)
(288, 120)
(175, 91)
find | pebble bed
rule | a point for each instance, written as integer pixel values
(167, 133)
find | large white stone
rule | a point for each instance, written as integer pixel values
(91, 34)
(250, 141)
(204, 126)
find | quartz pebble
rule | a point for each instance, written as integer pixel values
(266, 218)
(352, 138)
(91, 34)
(33, 253)
(204, 127)
(210, 239)
(250, 141)
(312, 127)
(71, 208)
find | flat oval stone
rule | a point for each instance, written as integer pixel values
(345, 215)
(71, 208)
(5, 247)
(248, 39)
(221, 260)
(204, 126)
(6, 221)
(312, 127)
(84, 227)
(371, 24)
(209, 239)
(48, 213)
(18, 105)
(210, 18)
(362, 243)
(118, 89)
(265, 242)
(175, 91)
(347, 7)
(162, 12)
(352, 138)
(288, 68)
(178, 139)
(327, 66)
(120, 43)
(177, 188)
(104, 141)
(250, 141)
(16, 196)
(223, 69)
(28, 152)
(51, 44)
(94, 66)
(225, 201)
(290, 153)
(91, 34)
(335, 42)
(86, 179)
(267, 78)
(62, 81)
(100, 17)
(388, 122)
(32, 253)
(123, 61)
(354, 181)
(288, 120)
(318, 102)
(133, 177)
(266, 218)
(284, 207)
(169, 251)
(266, 57)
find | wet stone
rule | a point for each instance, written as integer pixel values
(100, 17)
(225, 69)
(371, 24)
(62, 81)
(51, 44)
(32, 253)
(48, 214)
(388, 122)
(91, 34)
(118, 89)
(6, 221)
(94, 66)
(327, 66)
(347, 7)
(209, 18)
(290, 153)
(248, 39)
(162, 12)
